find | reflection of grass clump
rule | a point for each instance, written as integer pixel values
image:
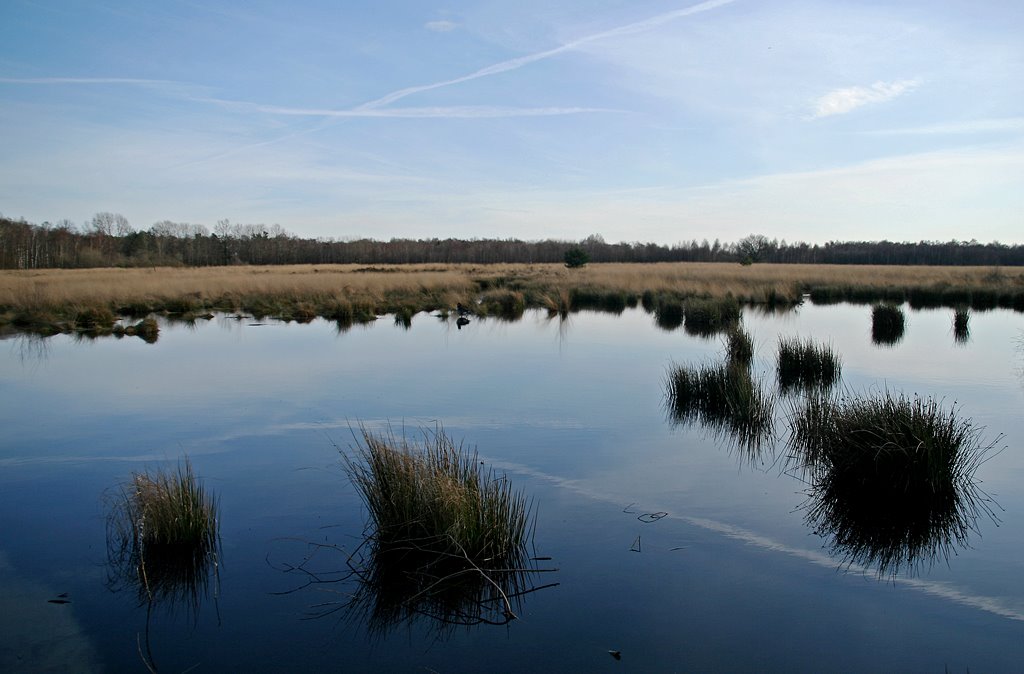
(806, 365)
(961, 325)
(668, 311)
(163, 535)
(739, 347)
(887, 324)
(725, 398)
(892, 477)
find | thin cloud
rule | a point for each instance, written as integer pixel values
(442, 26)
(519, 62)
(442, 112)
(842, 101)
(973, 126)
(86, 80)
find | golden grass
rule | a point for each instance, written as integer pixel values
(296, 290)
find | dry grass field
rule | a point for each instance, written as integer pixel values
(59, 300)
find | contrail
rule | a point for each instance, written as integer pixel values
(519, 62)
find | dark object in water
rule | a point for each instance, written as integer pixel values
(462, 321)
(615, 654)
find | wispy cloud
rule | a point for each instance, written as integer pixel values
(85, 80)
(442, 26)
(519, 62)
(972, 126)
(842, 101)
(439, 112)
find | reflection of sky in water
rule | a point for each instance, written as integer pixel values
(574, 412)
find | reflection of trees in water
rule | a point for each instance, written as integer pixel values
(891, 479)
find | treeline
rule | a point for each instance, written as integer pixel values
(109, 240)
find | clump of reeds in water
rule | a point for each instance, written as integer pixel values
(447, 538)
(961, 325)
(803, 364)
(502, 303)
(707, 317)
(887, 324)
(148, 329)
(163, 536)
(725, 399)
(892, 477)
(611, 301)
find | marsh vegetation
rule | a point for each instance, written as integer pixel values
(66, 300)
(891, 477)
(163, 537)
(447, 539)
(726, 399)
(806, 364)
(888, 323)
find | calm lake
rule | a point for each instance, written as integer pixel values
(675, 550)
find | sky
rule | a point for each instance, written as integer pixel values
(639, 120)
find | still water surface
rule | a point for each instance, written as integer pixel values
(573, 412)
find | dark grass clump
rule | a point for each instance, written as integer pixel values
(403, 317)
(446, 538)
(148, 329)
(163, 537)
(502, 303)
(887, 324)
(891, 477)
(961, 325)
(739, 347)
(668, 313)
(806, 365)
(726, 399)
(708, 317)
(610, 301)
(94, 320)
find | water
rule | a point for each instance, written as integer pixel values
(731, 578)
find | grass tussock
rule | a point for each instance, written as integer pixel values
(148, 329)
(805, 365)
(888, 324)
(447, 537)
(891, 477)
(708, 317)
(163, 536)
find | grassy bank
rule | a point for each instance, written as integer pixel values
(51, 301)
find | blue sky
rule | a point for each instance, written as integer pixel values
(640, 120)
